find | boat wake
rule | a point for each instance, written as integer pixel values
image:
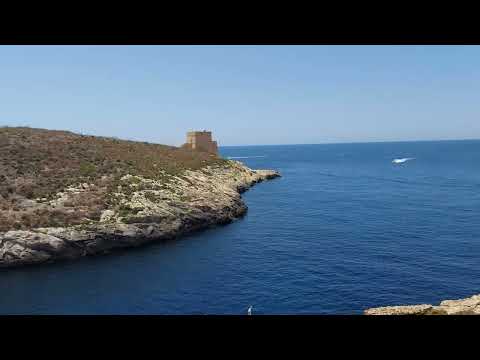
(402, 160)
(245, 157)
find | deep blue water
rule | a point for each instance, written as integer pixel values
(344, 229)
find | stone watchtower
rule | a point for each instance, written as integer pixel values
(201, 141)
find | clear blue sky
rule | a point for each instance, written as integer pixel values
(245, 94)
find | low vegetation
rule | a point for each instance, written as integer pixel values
(58, 178)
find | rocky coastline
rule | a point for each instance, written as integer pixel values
(467, 306)
(151, 210)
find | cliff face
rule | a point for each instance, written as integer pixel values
(468, 306)
(135, 210)
(66, 195)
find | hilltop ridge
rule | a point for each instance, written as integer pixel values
(36, 164)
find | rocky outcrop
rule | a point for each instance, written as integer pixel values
(151, 210)
(468, 306)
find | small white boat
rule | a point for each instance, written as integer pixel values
(249, 311)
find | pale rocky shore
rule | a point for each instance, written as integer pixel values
(468, 306)
(156, 211)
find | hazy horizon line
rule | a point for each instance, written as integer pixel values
(356, 142)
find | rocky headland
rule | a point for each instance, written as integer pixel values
(468, 306)
(127, 206)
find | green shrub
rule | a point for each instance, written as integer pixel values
(87, 169)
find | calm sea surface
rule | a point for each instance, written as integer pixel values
(344, 229)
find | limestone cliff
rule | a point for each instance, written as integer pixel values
(468, 306)
(145, 210)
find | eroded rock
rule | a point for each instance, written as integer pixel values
(468, 306)
(400, 310)
(153, 210)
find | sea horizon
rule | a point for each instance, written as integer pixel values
(354, 142)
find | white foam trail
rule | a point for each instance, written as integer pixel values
(402, 160)
(245, 157)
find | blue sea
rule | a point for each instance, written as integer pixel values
(343, 230)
